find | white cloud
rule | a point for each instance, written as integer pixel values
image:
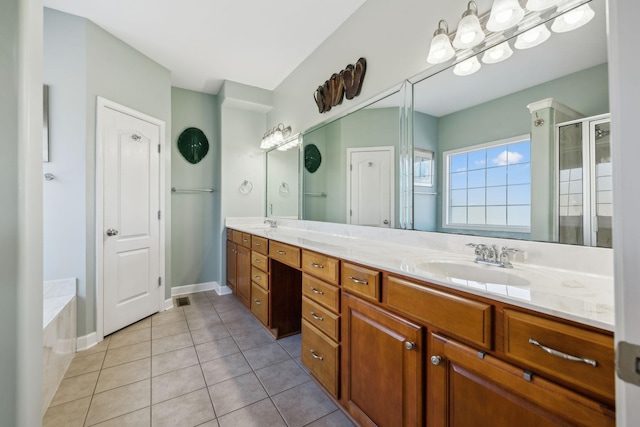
(507, 158)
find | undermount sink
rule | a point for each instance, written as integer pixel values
(471, 272)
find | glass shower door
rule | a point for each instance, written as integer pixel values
(571, 188)
(602, 203)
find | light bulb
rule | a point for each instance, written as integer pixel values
(469, 32)
(440, 49)
(467, 67)
(573, 19)
(504, 15)
(497, 53)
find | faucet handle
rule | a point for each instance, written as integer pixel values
(512, 250)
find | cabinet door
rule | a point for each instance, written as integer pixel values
(382, 366)
(243, 275)
(231, 265)
(468, 388)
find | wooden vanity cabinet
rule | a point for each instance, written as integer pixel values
(232, 256)
(471, 388)
(382, 362)
(260, 285)
(239, 265)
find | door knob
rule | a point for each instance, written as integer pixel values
(112, 232)
(409, 345)
(436, 360)
(386, 221)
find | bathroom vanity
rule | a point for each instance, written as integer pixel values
(397, 339)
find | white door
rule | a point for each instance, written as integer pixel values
(131, 225)
(370, 186)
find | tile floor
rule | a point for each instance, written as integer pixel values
(207, 364)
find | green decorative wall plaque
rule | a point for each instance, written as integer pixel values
(193, 145)
(312, 158)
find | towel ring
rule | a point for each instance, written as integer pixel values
(246, 187)
(284, 189)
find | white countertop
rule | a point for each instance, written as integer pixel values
(586, 298)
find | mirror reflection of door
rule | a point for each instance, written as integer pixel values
(370, 185)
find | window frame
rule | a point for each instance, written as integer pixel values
(446, 182)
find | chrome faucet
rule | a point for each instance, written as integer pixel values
(490, 255)
(272, 223)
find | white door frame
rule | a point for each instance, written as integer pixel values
(102, 104)
(392, 189)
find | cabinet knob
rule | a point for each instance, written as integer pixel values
(409, 345)
(435, 360)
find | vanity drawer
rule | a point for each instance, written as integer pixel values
(361, 281)
(241, 238)
(260, 303)
(321, 292)
(320, 355)
(229, 234)
(259, 261)
(321, 266)
(260, 278)
(321, 318)
(466, 319)
(520, 328)
(286, 254)
(260, 244)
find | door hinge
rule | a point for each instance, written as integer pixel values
(158, 148)
(350, 167)
(350, 212)
(159, 281)
(159, 215)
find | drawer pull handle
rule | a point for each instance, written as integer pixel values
(314, 265)
(257, 301)
(436, 360)
(245, 240)
(316, 355)
(358, 281)
(315, 316)
(257, 261)
(256, 277)
(258, 244)
(566, 356)
(282, 253)
(315, 291)
(409, 345)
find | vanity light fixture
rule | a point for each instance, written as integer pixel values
(469, 32)
(540, 5)
(275, 136)
(440, 49)
(504, 15)
(467, 67)
(290, 143)
(533, 37)
(572, 19)
(497, 53)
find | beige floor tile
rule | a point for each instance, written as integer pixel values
(169, 329)
(173, 360)
(334, 419)
(199, 310)
(187, 410)
(119, 401)
(75, 388)
(212, 423)
(239, 313)
(167, 316)
(240, 326)
(251, 339)
(225, 368)
(210, 334)
(225, 305)
(259, 414)
(174, 342)
(71, 414)
(216, 349)
(126, 354)
(139, 418)
(282, 376)
(265, 355)
(236, 393)
(303, 404)
(85, 364)
(141, 324)
(98, 348)
(122, 338)
(176, 383)
(127, 373)
(292, 344)
(203, 322)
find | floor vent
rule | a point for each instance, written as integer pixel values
(182, 301)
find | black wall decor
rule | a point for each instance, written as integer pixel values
(193, 145)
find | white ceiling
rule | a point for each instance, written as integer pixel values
(204, 42)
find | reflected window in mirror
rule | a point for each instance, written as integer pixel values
(488, 187)
(423, 168)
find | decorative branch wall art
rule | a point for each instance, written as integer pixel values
(345, 84)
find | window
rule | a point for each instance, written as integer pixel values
(423, 168)
(488, 187)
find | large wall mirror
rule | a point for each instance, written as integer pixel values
(518, 149)
(283, 178)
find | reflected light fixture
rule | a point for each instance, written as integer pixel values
(504, 15)
(497, 53)
(540, 5)
(275, 136)
(290, 143)
(572, 19)
(467, 67)
(440, 49)
(469, 32)
(533, 37)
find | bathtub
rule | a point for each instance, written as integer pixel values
(59, 334)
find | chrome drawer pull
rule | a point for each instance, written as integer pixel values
(315, 355)
(563, 355)
(282, 253)
(315, 291)
(314, 265)
(245, 240)
(257, 261)
(257, 301)
(315, 316)
(360, 282)
(256, 277)
(257, 244)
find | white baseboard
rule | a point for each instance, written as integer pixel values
(191, 289)
(87, 341)
(168, 303)
(222, 290)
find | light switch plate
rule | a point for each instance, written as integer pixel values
(628, 364)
